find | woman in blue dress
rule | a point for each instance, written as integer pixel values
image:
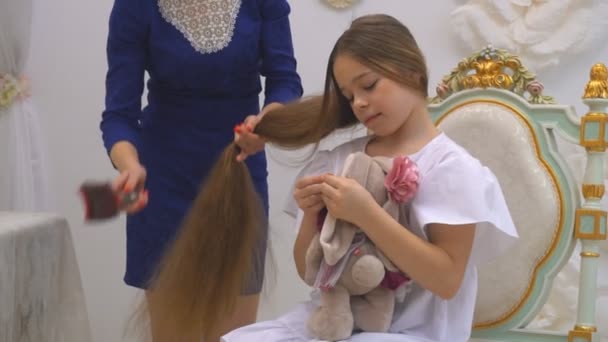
(204, 59)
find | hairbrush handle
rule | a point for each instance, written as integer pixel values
(129, 198)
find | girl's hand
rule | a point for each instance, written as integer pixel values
(308, 195)
(131, 179)
(346, 199)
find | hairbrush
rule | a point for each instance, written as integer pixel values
(101, 202)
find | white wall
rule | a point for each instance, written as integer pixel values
(67, 66)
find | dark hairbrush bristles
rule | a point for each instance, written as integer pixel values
(100, 201)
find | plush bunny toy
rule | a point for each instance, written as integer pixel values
(359, 285)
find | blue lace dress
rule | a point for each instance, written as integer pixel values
(204, 59)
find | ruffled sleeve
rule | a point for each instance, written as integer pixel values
(459, 190)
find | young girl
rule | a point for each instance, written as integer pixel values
(458, 218)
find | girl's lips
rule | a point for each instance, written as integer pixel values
(371, 118)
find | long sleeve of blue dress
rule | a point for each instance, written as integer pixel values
(278, 62)
(126, 57)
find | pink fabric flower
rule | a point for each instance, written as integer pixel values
(402, 180)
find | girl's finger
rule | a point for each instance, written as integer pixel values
(318, 206)
(309, 190)
(313, 200)
(334, 181)
(329, 191)
(306, 181)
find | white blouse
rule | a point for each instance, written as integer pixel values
(455, 189)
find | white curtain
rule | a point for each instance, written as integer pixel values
(23, 168)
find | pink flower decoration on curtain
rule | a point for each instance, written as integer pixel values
(12, 89)
(402, 180)
(25, 90)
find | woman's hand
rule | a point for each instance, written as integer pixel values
(132, 178)
(249, 142)
(346, 199)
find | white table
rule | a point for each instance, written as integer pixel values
(41, 297)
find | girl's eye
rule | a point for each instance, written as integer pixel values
(370, 86)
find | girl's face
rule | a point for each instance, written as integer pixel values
(381, 104)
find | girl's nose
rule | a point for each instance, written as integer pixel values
(360, 102)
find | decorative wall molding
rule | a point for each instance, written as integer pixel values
(541, 32)
(340, 4)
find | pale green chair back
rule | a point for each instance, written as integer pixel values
(495, 108)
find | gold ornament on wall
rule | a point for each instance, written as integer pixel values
(340, 3)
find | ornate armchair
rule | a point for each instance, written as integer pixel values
(495, 108)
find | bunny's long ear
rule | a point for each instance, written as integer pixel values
(337, 235)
